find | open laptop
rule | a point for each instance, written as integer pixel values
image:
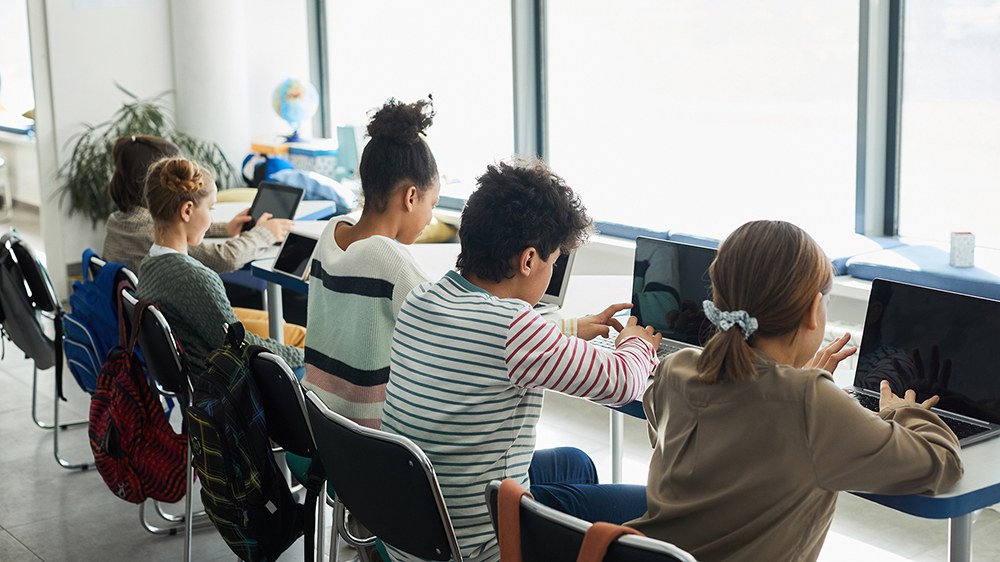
(555, 294)
(296, 254)
(278, 199)
(669, 282)
(935, 342)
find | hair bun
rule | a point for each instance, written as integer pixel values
(402, 122)
(181, 176)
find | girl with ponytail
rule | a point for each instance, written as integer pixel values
(752, 439)
(180, 195)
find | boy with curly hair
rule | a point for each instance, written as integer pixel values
(471, 357)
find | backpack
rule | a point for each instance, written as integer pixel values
(90, 331)
(243, 491)
(136, 451)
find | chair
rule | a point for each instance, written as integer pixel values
(385, 481)
(548, 535)
(287, 424)
(166, 366)
(28, 297)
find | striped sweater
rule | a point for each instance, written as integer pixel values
(467, 375)
(354, 297)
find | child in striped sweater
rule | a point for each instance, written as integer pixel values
(362, 271)
(471, 359)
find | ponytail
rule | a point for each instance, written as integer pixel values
(727, 356)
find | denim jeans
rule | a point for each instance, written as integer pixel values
(565, 479)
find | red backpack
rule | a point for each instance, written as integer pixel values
(136, 451)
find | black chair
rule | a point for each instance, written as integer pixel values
(287, 424)
(548, 535)
(386, 482)
(166, 365)
(27, 297)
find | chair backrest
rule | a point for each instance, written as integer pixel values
(164, 359)
(284, 404)
(385, 481)
(26, 291)
(548, 535)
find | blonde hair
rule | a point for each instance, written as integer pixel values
(773, 270)
(171, 182)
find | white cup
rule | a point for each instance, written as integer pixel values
(963, 249)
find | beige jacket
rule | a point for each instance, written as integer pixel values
(749, 470)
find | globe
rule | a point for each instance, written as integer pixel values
(295, 101)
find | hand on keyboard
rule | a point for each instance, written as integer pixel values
(887, 398)
(600, 324)
(644, 332)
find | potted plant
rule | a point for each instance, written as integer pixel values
(88, 172)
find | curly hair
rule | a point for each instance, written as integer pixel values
(518, 205)
(397, 152)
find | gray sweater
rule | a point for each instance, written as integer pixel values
(194, 302)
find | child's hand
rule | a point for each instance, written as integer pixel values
(887, 398)
(644, 332)
(235, 224)
(600, 324)
(278, 227)
(829, 356)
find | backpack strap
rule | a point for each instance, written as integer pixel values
(509, 519)
(598, 538)
(87, 274)
(235, 336)
(315, 479)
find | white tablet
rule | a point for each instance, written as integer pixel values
(295, 257)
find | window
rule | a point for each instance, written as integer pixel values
(699, 116)
(457, 50)
(16, 94)
(949, 176)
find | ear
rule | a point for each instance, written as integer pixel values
(186, 210)
(410, 197)
(812, 317)
(527, 260)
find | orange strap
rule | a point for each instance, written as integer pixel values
(509, 519)
(598, 538)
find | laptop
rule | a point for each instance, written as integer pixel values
(669, 282)
(278, 199)
(935, 342)
(296, 255)
(555, 294)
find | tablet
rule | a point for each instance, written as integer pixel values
(296, 255)
(278, 199)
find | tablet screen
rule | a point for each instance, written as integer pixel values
(295, 255)
(280, 200)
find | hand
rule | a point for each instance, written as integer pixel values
(235, 225)
(278, 227)
(646, 333)
(829, 356)
(887, 398)
(600, 324)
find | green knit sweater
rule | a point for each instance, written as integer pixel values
(194, 302)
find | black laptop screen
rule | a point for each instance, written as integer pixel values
(934, 342)
(670, 281)
(558, 273)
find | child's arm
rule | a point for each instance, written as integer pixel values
(538, 355)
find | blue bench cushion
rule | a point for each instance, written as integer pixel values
(628, 232)
(841, 247)
(928, 266)
(705, 241)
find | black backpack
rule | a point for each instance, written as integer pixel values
(244, 492)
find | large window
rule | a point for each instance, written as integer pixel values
(950, 142)
(16, 94)
(699, 116)
(457, 50)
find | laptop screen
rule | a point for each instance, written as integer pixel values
(669, 282)
(558, 274)
(934, 342)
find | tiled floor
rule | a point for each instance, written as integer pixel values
(51, 514)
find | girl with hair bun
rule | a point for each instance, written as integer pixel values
(362, 270)
(180, 195)
(752, 439)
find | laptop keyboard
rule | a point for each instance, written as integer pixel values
(962, 429)
(666, 348)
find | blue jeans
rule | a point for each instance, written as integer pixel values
(565, 479)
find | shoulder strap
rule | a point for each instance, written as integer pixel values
(87, 275)
(509, 519)
(598, 538)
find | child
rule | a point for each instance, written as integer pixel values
(752, 438)
(362, 272)
(190, 295)
(130, 228)
(471, 357)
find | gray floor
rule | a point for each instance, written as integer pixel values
(51, 514)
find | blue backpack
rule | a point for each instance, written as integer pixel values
(90, 331)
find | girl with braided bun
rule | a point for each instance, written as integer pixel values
(752, 439)
(180, 194)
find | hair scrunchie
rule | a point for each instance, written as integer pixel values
(725, 320)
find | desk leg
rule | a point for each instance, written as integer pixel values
(617, 445)
(960, 538)
(275, 312)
